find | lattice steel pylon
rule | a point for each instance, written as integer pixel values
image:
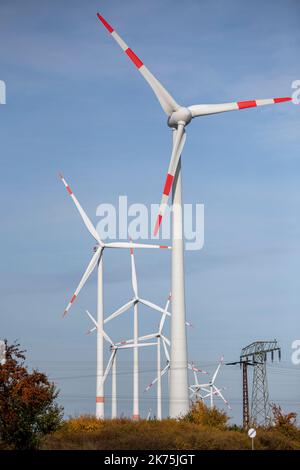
(261, 414)
(244, 365)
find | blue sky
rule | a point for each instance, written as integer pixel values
(76, 104)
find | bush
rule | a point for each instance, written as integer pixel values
(27, 403)
(201, 414)
(285, 423)
(85, 423)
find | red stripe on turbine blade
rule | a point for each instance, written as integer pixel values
(73, 298)
(164, 247)
(157, 224)
(69, 190)
(168, 184)
(137, 62)
(99, 399)
(131, 251)
(105, 23)
(247, 104)
(282, 100)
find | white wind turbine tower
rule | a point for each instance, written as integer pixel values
(210, 388)
(97, 261)
(178, 118)
(112, 363)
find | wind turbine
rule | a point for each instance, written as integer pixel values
(196, 387)
(161, 339)
(135, 341)
(196, 391)
(178, 118)
(166, 369)
(112, 363)
(210, 388)
(97, 261)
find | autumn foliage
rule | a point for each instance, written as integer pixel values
(201, 414)
(201, 429)
(27, 403)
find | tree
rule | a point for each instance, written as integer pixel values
(28, 409)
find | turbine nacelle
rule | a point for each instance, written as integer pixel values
(181, 116)
(95, 248)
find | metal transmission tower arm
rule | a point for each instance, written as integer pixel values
(257, 352)
(260, 347)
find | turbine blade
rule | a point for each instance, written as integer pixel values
(140, 338)
(196, 369)
(83, 214)
(108, 367)
(166, 350)
(203, 387)
(216, 373)
(91, 330)
(166, 340)
(133, 274)
(217, 370)
(105, 335)
(164, 315)
(166, 101)
(85, 277)
(120, 310)
(218, 392)
(127, 245)
(139, 345)
(176, 152)
(163, 372)
(153, 306)
(205, 109)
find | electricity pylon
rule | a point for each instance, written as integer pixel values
(257, 352)
(244, 364)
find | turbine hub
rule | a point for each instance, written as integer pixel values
(181, 115)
